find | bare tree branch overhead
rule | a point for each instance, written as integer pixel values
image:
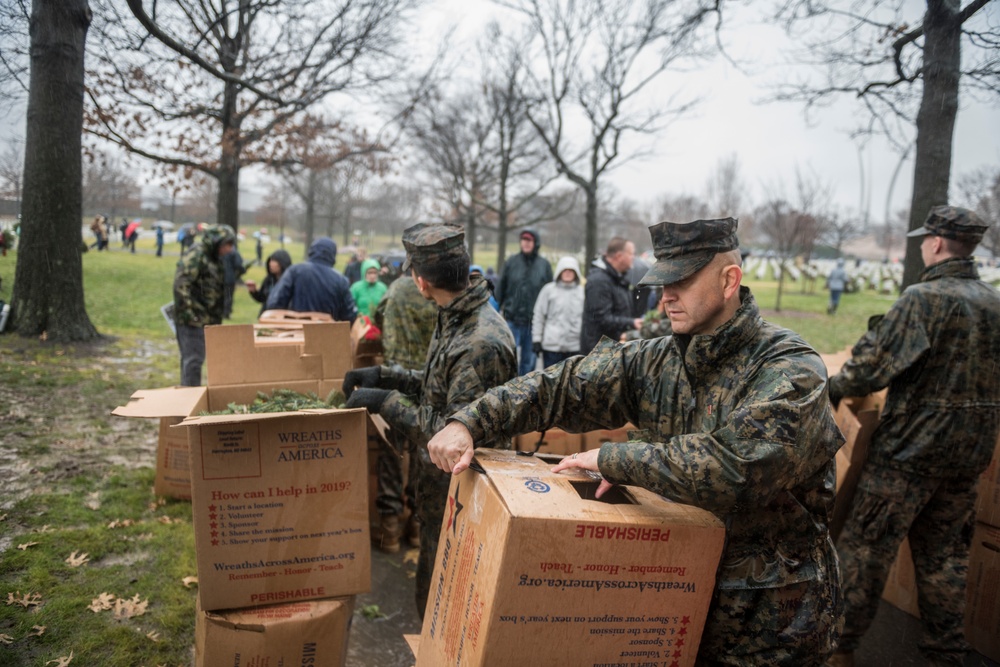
(908, 66)
(214, 87)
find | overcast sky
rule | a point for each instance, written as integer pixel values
(770, 139)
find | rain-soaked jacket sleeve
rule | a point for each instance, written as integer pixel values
(885, 351)
(473, 371)
(776, 432)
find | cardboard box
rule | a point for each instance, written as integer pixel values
(552, 441)
(857, 419)
(531, 570)
(362, 346)
(901, 584)
(982, 593)
(988, 498)
(321, 349)
(291, 318)
(300, 633)
(280, 506)
(594, 439)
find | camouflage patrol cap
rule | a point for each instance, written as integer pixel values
(683, 248)
(432, 242)
(953, 222)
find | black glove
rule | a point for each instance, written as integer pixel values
(536, 348)
(835, 395)
(367, 377)
(369, 399)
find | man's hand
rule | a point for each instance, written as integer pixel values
(367, 377)
(370, 399)
(451, 448)
(586, 461)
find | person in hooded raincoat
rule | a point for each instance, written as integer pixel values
(277, 263)
(558, 316)
(369, 290)
(315, 286)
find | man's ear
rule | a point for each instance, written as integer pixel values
(732, 276)
(422, 285)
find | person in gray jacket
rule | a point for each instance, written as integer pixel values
(558, 314)
(836, 282)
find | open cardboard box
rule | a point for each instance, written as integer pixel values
(532, 570)
(988, 498)
(239, 365)
(982, 593)
(300, 633)
(280, 506)
(552, 441)
(857, 418)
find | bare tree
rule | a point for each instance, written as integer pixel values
(14, 41)
(839, 228)
(48, 281)
(980, 191)
(587, 66)
(12, 172)
(216, 86)
(725, 189)
(681, 208)
(108, 186)
(906, 71)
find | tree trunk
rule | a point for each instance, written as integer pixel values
(48, 281)
(310, 202)
(501, 244)
(590, 251)
(781, 284)
(935, 122)
(228, 201)
(470, 232)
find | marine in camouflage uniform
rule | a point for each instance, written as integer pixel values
(199, 297)
(472, 350)
(737, 422)
(935, 436)
(407, 321)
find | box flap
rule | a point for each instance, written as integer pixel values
(165, 402)
(197, 420)
(569, 494)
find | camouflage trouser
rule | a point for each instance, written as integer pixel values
(796, 625)
(392, 497)
(937, 515)
(431, 488)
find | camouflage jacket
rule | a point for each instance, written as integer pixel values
(936, 350)
(407, 322)
(471, 351)
(738, 423)
(199, 281)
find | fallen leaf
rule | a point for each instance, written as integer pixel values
(125, 609)
(189, 581)
(44, 337)
(165, 520)
(75, 560)
(411, 556)
(102, 602)
(45, 529)
(26, 600)
(24, 547)
(6, 639)
(37, 631)
(3, 517)
(153, 635)
(120, 523)
(93, 501)
(62, 661)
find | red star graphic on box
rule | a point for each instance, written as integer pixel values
(211, 508)
(215, 543)
(682, 631)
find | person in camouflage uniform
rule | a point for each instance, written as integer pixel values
(199, 297)
(471, 351)
(935, 436)
(407, 321)
(733, 417)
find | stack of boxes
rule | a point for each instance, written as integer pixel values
(280, 500)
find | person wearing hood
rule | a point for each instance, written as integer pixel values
(369, 290)
(521, 279)
(476, 270)
(607, 309)
(199, 297)
(558, 315)
(315, 286)
(471, 351)
(836, 282)
(277, 263)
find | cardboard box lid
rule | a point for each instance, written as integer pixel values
(197, 420)
(565, 495)
(258, 619)
(164, 402)
(235, 355)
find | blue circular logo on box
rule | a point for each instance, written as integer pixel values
(537, 486)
